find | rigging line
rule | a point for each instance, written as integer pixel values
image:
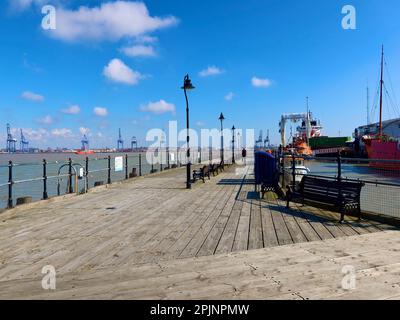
(375, 103)
(392, 104)
(391, 83)
(386, 98)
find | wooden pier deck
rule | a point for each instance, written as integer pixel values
(150, 238)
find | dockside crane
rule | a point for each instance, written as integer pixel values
(11, 141)
(85, 143)
(266, 141)
(294, 117)
(120, 142)
(259, 141)
(134, 143)
(23, 144)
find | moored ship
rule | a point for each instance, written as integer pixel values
(381, 146)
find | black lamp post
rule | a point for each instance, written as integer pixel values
(233, 144)
(187, 85)
(221, 118)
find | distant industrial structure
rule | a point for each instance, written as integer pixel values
(389, 127)
(85, 143)
(259, 141)
(11, 145)
(11, 141)
(120, 142)
(23, 144)
(134, 143)
(266, 141)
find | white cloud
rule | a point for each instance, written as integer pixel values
(101, 112)
(118, 71)
(28, 95)
(47, 120)
(83, 130)
(158, 107)
(229, 96)
(210, 71)
(31, 134)
(25, 4)
(110, 21)
(73, 109)
(261, 83)
(139, 51)
(62, 132)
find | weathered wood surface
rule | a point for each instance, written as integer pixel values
(151, 238)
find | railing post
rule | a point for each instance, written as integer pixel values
(199, 154)
(70, 188)
(109, 170)
(126, 166)
(10, 184)
(87, 172)
(45, 195)
(140, 164)
(294, 170)
(161, 164)
(152, 163)
(339, 161)
(168, 160)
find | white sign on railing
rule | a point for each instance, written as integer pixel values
(119, 164)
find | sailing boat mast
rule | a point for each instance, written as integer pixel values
(368, 116)
(381, 98)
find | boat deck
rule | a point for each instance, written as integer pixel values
(151, 238)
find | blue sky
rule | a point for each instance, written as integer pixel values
(105, 67)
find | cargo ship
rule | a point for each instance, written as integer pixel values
(381, 146)
(329, 146)
(308, 140)
(84, 152)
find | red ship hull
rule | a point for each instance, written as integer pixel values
(379, 149)
(81, 152)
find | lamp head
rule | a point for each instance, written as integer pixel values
(233, 128)
(221, 117)
(187, 83)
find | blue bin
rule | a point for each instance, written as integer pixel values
(265, 169)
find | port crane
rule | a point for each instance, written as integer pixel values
(23, 144)
(266, 141)
(85, 143)
(120, 142)
(11, 141)
(133, 142)
(294, 117)
(259, 141)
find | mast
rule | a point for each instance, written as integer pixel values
(307, 123)
(381, 98)
(368, 119)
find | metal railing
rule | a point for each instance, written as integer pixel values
(381, 192)
(40, 180)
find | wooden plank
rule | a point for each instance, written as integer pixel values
(269, 233)
(226, 242)
(255, 228)
(281, 229)
(210, 244)
(242, 233)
